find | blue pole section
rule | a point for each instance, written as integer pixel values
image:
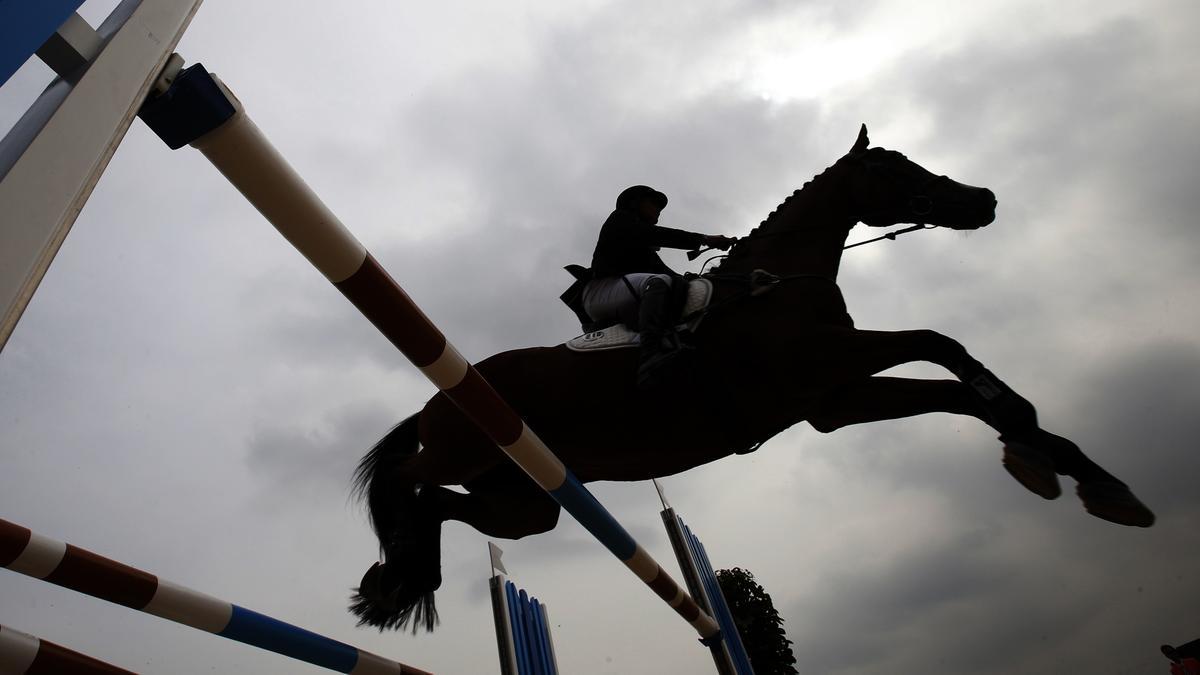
(523, 629)
(718, 608)
(551, 657)
(535, 636)
(530, 637)
(543, 633)
(265, 632)
(520, 637)
(729, 655)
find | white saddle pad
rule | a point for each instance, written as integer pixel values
(621, 336)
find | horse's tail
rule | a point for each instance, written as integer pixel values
(400, 589)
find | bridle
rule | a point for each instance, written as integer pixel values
(920, 204)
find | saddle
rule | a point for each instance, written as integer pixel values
(620, 336)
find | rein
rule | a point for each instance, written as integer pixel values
(759, 282)
(891, 236)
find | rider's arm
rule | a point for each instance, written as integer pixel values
(666, 237)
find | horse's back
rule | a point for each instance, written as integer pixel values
(551, 387)
(587, 409)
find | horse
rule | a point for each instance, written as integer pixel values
(776, 347)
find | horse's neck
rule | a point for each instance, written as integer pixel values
(805, 234)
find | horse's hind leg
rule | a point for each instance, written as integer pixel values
(502, 503)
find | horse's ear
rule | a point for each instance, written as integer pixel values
(861, 144)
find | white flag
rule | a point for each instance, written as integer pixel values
(495, 553)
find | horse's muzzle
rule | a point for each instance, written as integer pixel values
(968, 208)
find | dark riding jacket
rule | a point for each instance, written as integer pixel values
(628, 244)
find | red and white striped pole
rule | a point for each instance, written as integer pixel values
(24, 653)
(243, 154)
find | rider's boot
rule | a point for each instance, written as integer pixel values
(660, 346)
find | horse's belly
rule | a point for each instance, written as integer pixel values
(589, 413)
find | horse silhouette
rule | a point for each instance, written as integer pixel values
(776, 347)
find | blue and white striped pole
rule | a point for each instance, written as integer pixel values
(29, 553)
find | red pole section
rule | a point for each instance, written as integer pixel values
(243, 154)
(24, 653)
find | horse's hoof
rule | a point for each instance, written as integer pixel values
(1115, 503)
(1032, 468)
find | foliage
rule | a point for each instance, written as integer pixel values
(760, 626)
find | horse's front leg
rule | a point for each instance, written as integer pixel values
(1032, 455)
(871, 352)
(875, 399)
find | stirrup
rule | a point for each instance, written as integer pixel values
(651, 365)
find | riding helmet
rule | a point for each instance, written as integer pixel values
(630, 196)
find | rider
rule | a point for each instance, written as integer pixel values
(628, 283)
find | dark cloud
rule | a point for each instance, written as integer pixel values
(1011, 583)
(1141, 407)
(306, 461)
(1099, 111)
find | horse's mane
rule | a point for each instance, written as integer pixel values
(772, 220)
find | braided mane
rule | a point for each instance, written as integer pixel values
(776, 218)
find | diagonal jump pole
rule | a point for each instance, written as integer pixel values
(60, 563)
(196, 109)
(24, 653)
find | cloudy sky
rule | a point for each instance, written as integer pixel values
(187, 395)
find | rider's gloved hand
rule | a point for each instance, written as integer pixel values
(719, 241)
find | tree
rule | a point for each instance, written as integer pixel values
(759, 625)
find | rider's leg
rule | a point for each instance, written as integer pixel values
(655, 326)
(613, 300)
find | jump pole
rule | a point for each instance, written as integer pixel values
(32, 554)
(24, 653)
(198, 110)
